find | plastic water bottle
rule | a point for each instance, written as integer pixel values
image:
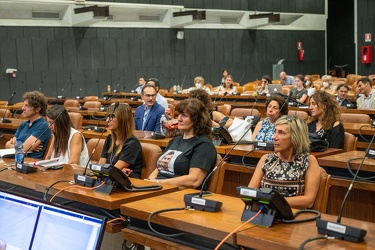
(162, 118)
(174, 89)
(19, 154)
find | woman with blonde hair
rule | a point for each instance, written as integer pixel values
(327, 81)
(121, 148)
(290, 170)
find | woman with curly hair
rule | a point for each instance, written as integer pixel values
(194, 153)
(325, 114)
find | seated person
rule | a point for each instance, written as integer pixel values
(215, 115)
(325, 118)
(159, 98)
(141, 82)
(327, 84)
(309, 85)
(299, 92)
(194, 153)
(67, 143)
(290, 170)
(286, 79)
(147, 116)
(34, 132)
(121, 148)
(227, 87)
(263, 88)
(199, 84)
(225, 73)
(342, 93)
(366, 100)
(276, 107)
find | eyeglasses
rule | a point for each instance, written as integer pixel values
(148, 96)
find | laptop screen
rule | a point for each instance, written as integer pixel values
(275, 88)
(28, 223)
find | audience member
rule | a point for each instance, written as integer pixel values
(276, 107)
(327, 84)
(263, 88)
(34, 132)
(68, 144)
(299, 92)
(366, 100)
(225, 73)
(198, 84)
(309, 84)
(342, 93)
(121, 148)
(215, 115)
(286, 80)
(159, 98)
(290, 170)
(227, 86)
(147, 116)
(194, 153)
(325, 118)
(141, 82)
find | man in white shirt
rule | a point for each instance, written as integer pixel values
(159, 98)
(141, 82)
(367, 94)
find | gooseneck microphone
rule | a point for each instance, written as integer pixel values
(217, 104)
(61, 96)
(195, 201)
(82, 179)
(3, 120)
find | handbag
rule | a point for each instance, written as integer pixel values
(239, 127)
(318, 142)
(170, 128)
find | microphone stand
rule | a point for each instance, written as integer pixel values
(195, 201)
(63, 90)
(3, 120)
(217, 104)
(82, 179)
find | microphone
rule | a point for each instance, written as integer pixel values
(3, 120)
(195, 201)
(82, 179)
(217, 104)
(169, 83)
(118, 84)
(63, 89)
(337, 229)
(251, 113)
(27, 168)
(239, 83)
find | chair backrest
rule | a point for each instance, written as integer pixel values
(300, 114)
(3, 103)
(215, 183)
(49, 144)
(71, 104)
(241, 112)
(350, 142)
(240, 89)
(250, 87)
(163, 91)
(151, 154)
(76, 119)
(98, 151)
(92, 105)
(90, 98)
(172, 108)
(321, 199)
(224, 109)
(355, 118)
(7, 113)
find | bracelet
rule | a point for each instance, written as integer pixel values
(157, 181)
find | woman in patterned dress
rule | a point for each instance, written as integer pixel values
(290, 170)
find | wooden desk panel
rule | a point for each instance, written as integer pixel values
(340, 160)
(13, 125)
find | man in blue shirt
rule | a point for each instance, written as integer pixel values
(34, 133)
(147, 116)
(287, 80)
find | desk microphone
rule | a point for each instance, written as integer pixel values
(254, 118)
(195, 201)
(337, 229)
(64, 89)
(110, 97)
(82, 179)
(3, 120)
(217, 104)
(27, 168)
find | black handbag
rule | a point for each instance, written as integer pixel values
(318, 142)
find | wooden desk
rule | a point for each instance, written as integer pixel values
(217, 225)
(13, 125)
(40, 180)
(340, 160)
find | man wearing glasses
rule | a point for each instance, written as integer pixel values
(147, 116)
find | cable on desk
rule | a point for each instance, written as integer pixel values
(53, 184)
(314, 238)
(163, 211)
(3, 169)
(359, 132)
(243, 157)
(243, 224)
(302, 211)
(353, 174)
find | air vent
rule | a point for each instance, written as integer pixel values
(155, 18)
(228, 20)
(45, 15)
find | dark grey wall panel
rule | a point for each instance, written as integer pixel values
(40, 54)
(24, 55)
(123, 52)
(55, 54)
(110, 55)
(78, 80)
(84, 53)
(48, 83)
(69, 54)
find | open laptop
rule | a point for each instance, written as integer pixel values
(275, 88)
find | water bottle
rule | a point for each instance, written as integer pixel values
(19, 154)
(162, 118)
(174, 89)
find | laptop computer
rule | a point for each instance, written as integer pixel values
(275, 88)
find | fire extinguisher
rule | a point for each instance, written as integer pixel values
(301, 51)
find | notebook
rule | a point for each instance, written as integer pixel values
(275, 88)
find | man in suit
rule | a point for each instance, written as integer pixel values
(367, 97)
(342, 93)
(147, 116)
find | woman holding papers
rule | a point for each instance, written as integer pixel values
(194, 154)
(68, 144)
(290, 170)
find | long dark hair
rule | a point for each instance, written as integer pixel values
(62, 126)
